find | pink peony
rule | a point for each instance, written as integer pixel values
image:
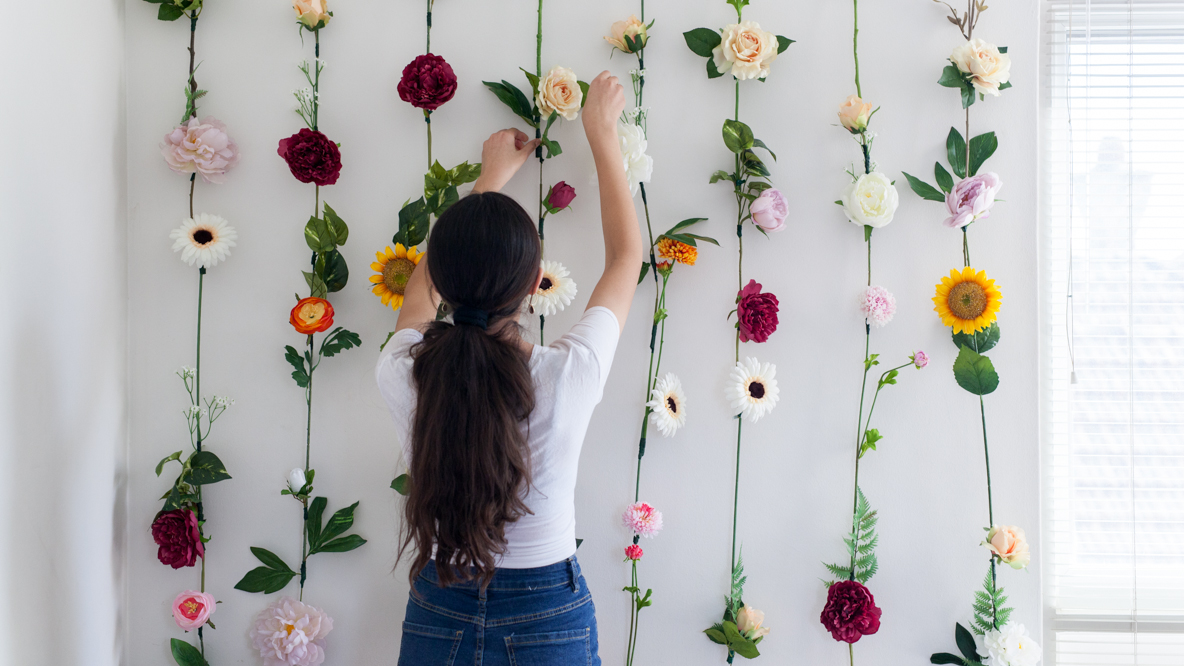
(202, 147)
(878, 305)
(756, 313)
(919, 359)
(290, 633)
(643, 519)
(850, 612)
(633, 553)
(770, 210)
(191, 609)
(971, 199)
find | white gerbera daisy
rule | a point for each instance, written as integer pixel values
(752, 388)
(555, 291)
(668, 404)
(204, 241)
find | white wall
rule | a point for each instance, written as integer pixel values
(926, 480)
(63, 374)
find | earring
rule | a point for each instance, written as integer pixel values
(532, 304)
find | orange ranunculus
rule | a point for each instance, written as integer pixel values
(312, 315)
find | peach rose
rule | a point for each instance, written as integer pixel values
(312, 315)
(745, 51)
(1007, 542)
(312, 13)
(854, 114)
(191, 609)
(559, 91)
(987, 67)
(749, 621)
(632, 28)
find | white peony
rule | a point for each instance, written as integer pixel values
(1009, 646)
(638, 166)
(871, 200)
(290, 633)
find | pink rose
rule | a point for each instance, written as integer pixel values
(200, 146)
(971, 199)
(770, 210)
(191, 609)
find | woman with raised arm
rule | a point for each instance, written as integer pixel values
(492, 425)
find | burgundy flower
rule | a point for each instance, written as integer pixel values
(560, 196)
(312, 157)
(179, 538)
(756, 312)
(427, 82)
(850, 612)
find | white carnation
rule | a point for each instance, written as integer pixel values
(639, 167)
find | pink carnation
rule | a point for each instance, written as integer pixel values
(633, 552)
(200, 146)
(191, 609)
(878, 306)
(971, 199)
(756, 313)
(290, 633)
(643, 519)
(919, 359)
(770, 210)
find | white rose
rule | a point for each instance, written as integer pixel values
(871, 200)
(987, 66)
(296, 480)
(745, 51)
(1010, 645)
(638, 166)
(559, 91)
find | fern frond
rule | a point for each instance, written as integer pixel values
(840, 572)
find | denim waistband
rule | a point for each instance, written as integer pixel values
(566, 572)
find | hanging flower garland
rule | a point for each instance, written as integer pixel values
(312, 158)
(969, 302)
(556, 94)
(665, 405)
(745, 51)
(195, 146)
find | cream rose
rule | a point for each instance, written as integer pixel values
(749, 621)
(312, 13)
(559, 91)
(745, 51)
(632, 28)
(1007, 542)
(987, 67)
(871, 200)
(854, 114)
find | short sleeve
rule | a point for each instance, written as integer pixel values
(597, 332)
(393, 374)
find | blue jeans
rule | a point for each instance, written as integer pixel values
(525, 617)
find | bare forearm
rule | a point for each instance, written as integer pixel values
(622, 236)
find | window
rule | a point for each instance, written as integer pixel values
(1112, 244)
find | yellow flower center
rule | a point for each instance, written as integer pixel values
(202, 237)
(396, 273)
(671, 405)
(756, 390)
(312, 312)
(967, 300)
(190, 608)
(288, 628)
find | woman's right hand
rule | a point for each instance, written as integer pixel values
(502, 155)
(602, 109)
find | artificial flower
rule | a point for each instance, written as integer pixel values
(200, 146)
(752, 389)
(668, 405)
(394, 269)
(314, 14)
(296, 480)
(290, 633)
(178, 537)
(559, 92)
(871, 200)
(560, 197)
(312, 315)
(878, 305)
(555, 290)
(427, 83)
(633, 28)
(919, 359)
(749, 621)
(643, 519)
(204, 241)
(855, 114)
(191, 609)
(639, 166)
(1010, 645)
(850, 612)
(633, 552)
(1008, 543)
(756, 313)
(745, 51)
(967, 301)
(987, 67)
(971, 199)
(770, 210)
(311, 157)
(676, 250)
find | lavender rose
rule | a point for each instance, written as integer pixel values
(971, 199)
(312, 157)
(850, 612)
(427, 83)
(179, 538)
(756, 312)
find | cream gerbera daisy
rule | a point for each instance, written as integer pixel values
(555, 291)
(204, 240)
(752, 388)
(668, 404)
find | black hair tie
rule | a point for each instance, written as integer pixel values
(471, 316)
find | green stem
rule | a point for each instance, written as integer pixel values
(192, 68)
(538, 51)
(192, 186)
(965, 248)
(429, 46)
(308, 402)
(316, 82)
(851, 653)
(633, 618)
(987, 457)
(427, 118)
(736, 493)
(855, 40)
(859, 429)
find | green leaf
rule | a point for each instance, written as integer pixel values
(313, 524)
(945, 658)
(889, 378)
(966, 643)
(754, 165)
(951, 77)
(1005, 85)
(686, 223)
(297, 361)
(184, 653)
(512, 97)
(1003, 49)
(783, 43)
(339, 341)
(982, 341)
(316, 286)
(967, 95)
(975, 372)
(534, 80)
(579, 542)
(981, 149)
(342, 520)
(337, 226)
(721, 175)
(169, 13)
(867, 228)
(956, 152)
(705, 239)
(205, 468)
(319, 236)
(738, 137)
(701, 41)
(712, 72)
(414, 220)
(170, 458)
(342, 545)
(553, 148)
(332, 270)
(925, 190)
(645, 269)
(265, 580)
(757, 143)
(716, 634)
(270, 559)
(584, 86)
(944, 180)
(870, 437)
(464, 173)
(402, 483)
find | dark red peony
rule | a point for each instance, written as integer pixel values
(561, 196)
(179, 538)
(312, 157)
(427, 83)
(756, 312)
(850, 612)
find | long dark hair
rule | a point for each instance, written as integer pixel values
(470, 461)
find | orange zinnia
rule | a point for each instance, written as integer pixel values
(668, 248)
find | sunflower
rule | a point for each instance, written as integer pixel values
(555, 291)
(752, 388)
(668, 248)
(204, 240)
(394, 270)
(668, 403)
(967, 301)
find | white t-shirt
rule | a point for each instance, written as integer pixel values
(569, 377)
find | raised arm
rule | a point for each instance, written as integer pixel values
(622, 236)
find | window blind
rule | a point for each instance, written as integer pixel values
(1112, 301)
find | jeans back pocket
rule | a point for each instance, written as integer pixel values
(429, 646)
(557, 648)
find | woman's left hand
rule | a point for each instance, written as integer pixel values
(502, 155)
